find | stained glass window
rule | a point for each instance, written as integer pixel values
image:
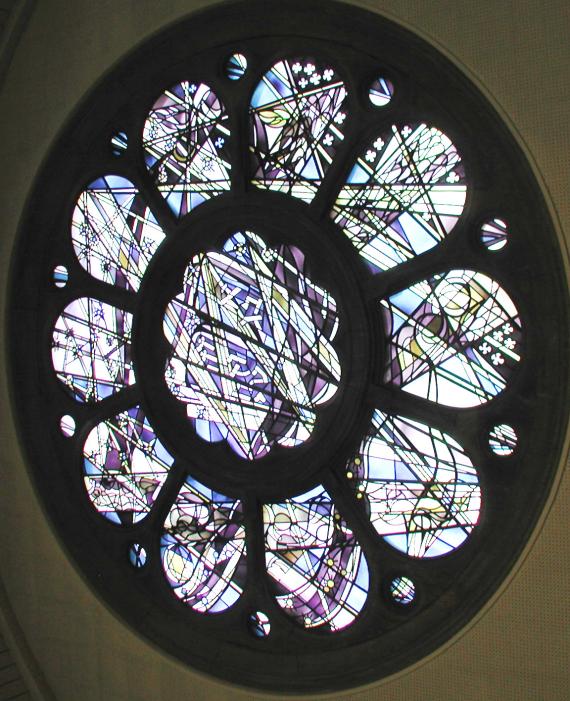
(291, 377)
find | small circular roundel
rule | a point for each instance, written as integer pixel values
(270, 339)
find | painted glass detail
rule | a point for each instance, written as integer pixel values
(419, 486)
(381, 92)
(404, 194)
(319, 572)
(185, 139)
(503, 440)
(494, 234)
(91, 349)
(124, 466)
(402, 591)
(114, 233)
(251, 346)
(297, 115)
(453, 338)
(203, 548)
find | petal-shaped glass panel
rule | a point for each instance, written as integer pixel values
(319, 572)
(203, 548)
(403, 196)
(252, 353)
(297, 113)
(420, 488)
(185, 139)
(114, 233)
(454, 338)
(124, 466)
(91, 349)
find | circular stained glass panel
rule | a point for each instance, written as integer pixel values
(283, 345)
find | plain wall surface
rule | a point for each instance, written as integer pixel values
(518, 53)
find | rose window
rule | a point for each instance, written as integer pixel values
(281, 314)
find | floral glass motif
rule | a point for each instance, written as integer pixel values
(124, 466)
(420, 488)
(503, 440)
(454, 338)
(297, 115)
(319, 571)
(114, 233)
(91, 351)
(203, 548)
(185, 139)
(404, 194)
(251, 338)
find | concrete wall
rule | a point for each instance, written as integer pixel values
(518, 52)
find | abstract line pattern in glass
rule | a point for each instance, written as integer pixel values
(454, 338)
(124, 466)
(319, 572)
(420, 488)
(495, 234)
(503, 440)
(203, 548)
(404, 194)
(297, 114)
(114, 233)
(91, 349)
(252, 353)
(185, 139)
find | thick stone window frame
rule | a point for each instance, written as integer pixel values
(450, 589)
